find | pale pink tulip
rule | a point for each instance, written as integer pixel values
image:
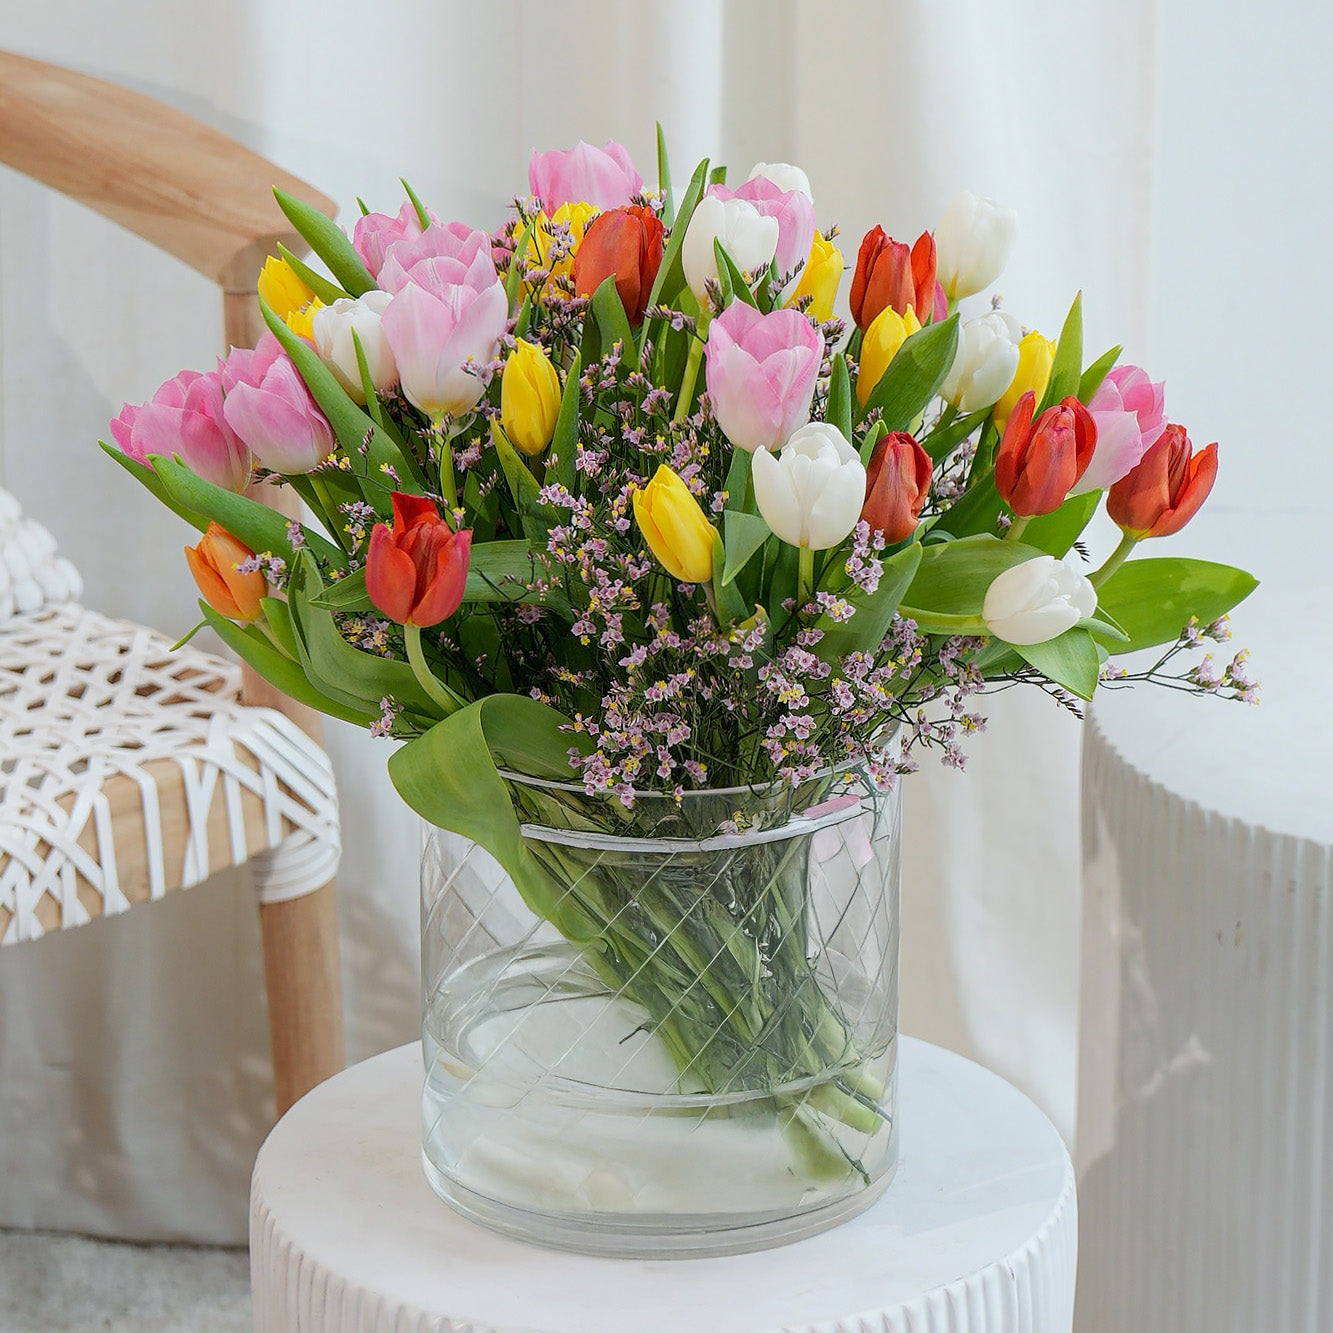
(185, 419)
(1130, 413)
(436, 334)
(795, 214)
(761, 372)
(376, 232)
(268, 405)
(602, 177)
(421, 258)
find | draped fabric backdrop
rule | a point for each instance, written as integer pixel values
(132, 1052)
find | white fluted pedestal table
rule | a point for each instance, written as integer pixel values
(975, 1235)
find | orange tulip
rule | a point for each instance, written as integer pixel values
(214, 566)
(625, 244)
(889, 274)
(1165, 489)
(1040, 461)
(897, 484)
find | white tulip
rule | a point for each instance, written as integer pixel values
(1037, 600)
(746, 235)
(811, 493)
(985, 363)
(784, 176)
(972, 244)
(333, 328)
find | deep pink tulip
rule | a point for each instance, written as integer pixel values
(1130, 412)
(761, 372)
(185, 418)
(602, 177)
(436, 257)
(268, 405)
(376, 232)
(795, 214)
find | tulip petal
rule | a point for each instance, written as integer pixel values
(390, 576)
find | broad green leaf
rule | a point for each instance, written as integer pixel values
(746, 534)
(609, 312)
(1096, 373)
(915, 373)
(670, 275)
(874, 612)
(346, 594)
(953, 577)
(501, 572)
(523, 487)
(317, 282)
(281, 672)
(739, 483)
(839, 412)
(514, 278)
(450, 777)
(152, 483)
(718, 176)
(258, 526)
(423, 213)
(279, 619)
(873, 436)
(664, 179)
(564, 443)
(329, 242)
(731, 605)
(732, 279)
(1071, 660)
(1152, 600)
(1065, 371)
(1056, 532)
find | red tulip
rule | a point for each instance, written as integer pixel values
(1165, 489)
(897, 484)
(889, 274)
(626, 244)
(415, 572)
(1040, 461)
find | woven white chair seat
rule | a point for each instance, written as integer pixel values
(128, 770)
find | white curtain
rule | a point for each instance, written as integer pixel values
(132, 1053)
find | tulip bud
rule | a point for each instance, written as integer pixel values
(602, 177)
(985, 363)
(1037, 600)
(783, 175)
(889, 274)
(416, 571)
(973, 240)
(794, 213)
(886, 334)
(214, 561)
(1036, 356)
(282, 288)
(1130, 412)
(812, 492)
(746, 235)
(1167, 487)
(302, 321)
(1039, 462)
(675, 528)
(624, 244)
(529, 398)
(819, 279)
(332, 330)
(897, 484)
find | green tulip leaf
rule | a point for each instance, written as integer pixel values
(953, 576)
(839, 411)
(732, 279)
(873, 612)
(326, 291)
(1152, 600)
(422, 212)
(1070, 660)
(609, 312)
(329, 242)
(730, 603)
(915, 375)
(517, 264)
(943, 439)
(152, 483)
(664, 179)
(564, 443)
(346, 594)
(746, 534)
(1096, 373)
(1065, 369)
(1056, 532)
(670, 273)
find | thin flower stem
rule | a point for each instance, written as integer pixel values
(426, 678)
(1016, 528)
(1115, 560)
(691, 374)
(805, 576)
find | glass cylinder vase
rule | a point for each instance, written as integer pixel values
(679, 1037)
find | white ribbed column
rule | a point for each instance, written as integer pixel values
(1205, 1139)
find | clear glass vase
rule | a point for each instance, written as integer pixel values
(680, 1038)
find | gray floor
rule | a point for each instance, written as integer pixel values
(67, 1284)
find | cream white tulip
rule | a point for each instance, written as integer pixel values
(783, 175)
(972, 244)
(811, 493)
(746, 235)
(985, 363)
(333, 328)
(1037, 600)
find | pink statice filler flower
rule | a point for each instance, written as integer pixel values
(269, 407)
(1130, 413)
(603, 177)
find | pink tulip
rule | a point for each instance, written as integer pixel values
(602, 177)
(269, 407)
(761, 372)
(1130, 414)
(376, 232)
(186, 418)
(437, 257)
(795, 214)
(436, 333)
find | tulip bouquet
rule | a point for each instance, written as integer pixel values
(611, 499)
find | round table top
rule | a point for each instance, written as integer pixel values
(1264, 765)
(977, 1226)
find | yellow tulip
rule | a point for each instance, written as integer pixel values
(302, 321)
(675, 528)
(886, 334)
(542, 241)
(820, 278)
(283, 288)
(529, 398)
(1036, 356)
